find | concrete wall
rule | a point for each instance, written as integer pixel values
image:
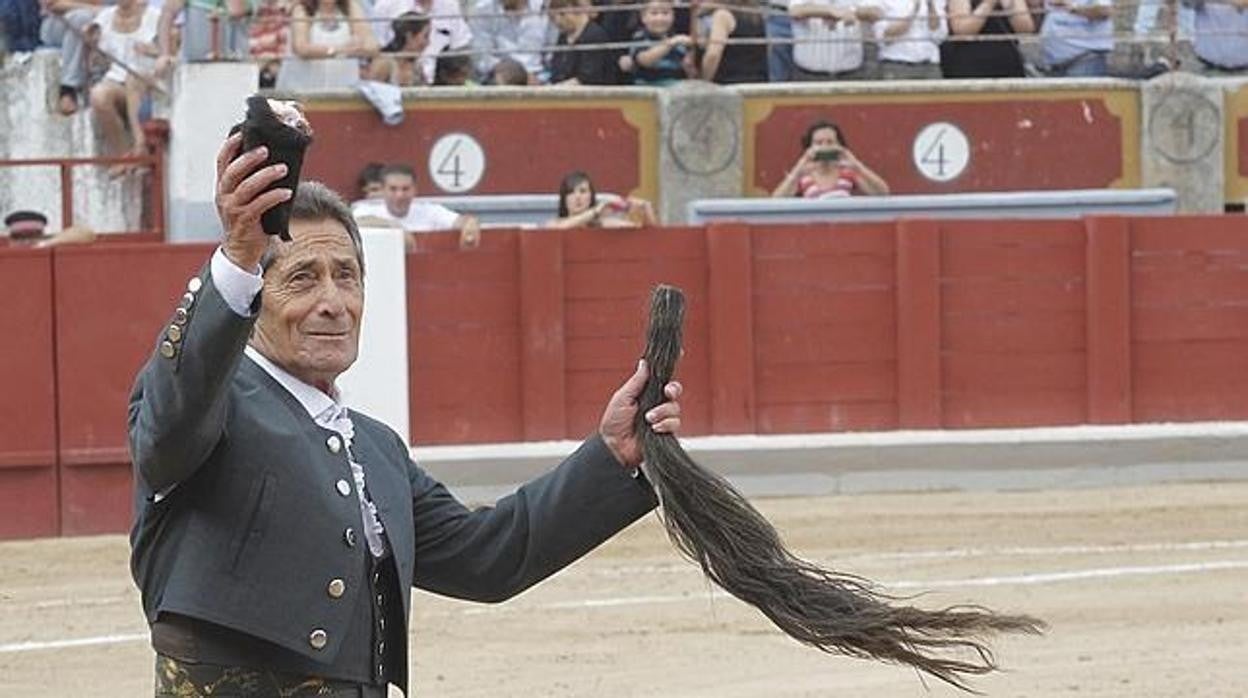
(30, 127)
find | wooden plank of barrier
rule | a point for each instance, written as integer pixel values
(1109, 320)
(543, 341)
(919, 396)
(463, 339)
(28, 457)
(111, 301)
(731, 328)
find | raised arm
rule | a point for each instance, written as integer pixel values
(178, 407)
(722, 26)
(965, 22)
(363, 40)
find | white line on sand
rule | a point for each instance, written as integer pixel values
(75, 642)
(1017, 580)
(964, 553)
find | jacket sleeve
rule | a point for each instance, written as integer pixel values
(493, 553)
(178, 406)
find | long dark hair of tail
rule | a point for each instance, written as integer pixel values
(716, 527)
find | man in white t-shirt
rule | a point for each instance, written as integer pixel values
(398, 207)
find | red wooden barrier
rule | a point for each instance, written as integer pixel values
(790, 329)
(110, 301)
(825, 328)
(28, 477)
(1013, 324)
(463, 340)
(1189, 318)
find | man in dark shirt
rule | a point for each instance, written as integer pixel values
(577, 28)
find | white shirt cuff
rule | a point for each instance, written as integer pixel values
(237, 286)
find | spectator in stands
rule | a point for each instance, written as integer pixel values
(828, 168)
(126, 32)
(30, 228)
(659, 57)
(269, 38)
(370, 183)
(731, 63)
(985, 59)
(19, 25)
(24, 227)
(454, 71)
(331, 28)
(509, 72)
(579, 207)
(398, 207)
(410, 38)
(1077, 36)
(511, 29)
(1152, 51)
(64, 23)
(910, 36)
(1221, 40)
(577, 28)
(449, 31)
(229, 19)
(830, 36)
(779, 28)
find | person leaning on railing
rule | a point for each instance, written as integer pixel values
(331, 29)
(210, 30)
(1077, 36)
(829, 35)
(63, 23)
(827, 168)
(126, 31)
(1221, 41)
(577, 28)
(985, 58)
(579, 207)
(514, 30)
(731, 63)
(411, 36)
(910, 34)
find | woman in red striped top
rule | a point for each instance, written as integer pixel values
(828, 168)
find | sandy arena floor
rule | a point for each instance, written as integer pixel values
(1146, 590)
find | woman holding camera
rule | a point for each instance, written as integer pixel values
(828, 168)
(579, 207)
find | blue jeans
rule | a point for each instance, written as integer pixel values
(779, 56)
(1093, 64)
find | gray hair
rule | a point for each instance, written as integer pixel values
(316, 202)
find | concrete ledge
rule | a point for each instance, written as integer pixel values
(821, 464)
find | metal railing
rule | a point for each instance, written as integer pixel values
(152, 217)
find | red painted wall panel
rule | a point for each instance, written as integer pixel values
(110, 301)
(1013, 312)
(528, 146)
(1189, 288)
(824, 327)
(464, 340)
(609, 275)
(28, 477)
(1022, 141)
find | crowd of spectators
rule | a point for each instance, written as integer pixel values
(648, 42)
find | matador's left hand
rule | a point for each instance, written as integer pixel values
(616, 427)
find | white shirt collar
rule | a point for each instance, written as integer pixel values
(314, 401)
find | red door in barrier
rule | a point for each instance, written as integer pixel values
(28, 477)
(111, 301)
